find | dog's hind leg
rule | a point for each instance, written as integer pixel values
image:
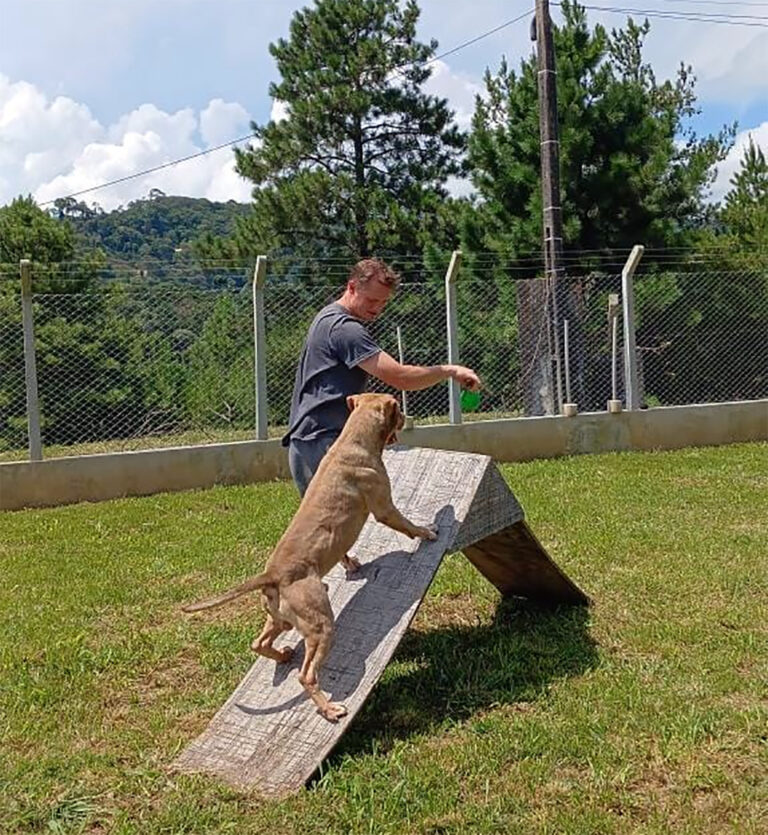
(317, 648)
(263, 644)
(309, 604)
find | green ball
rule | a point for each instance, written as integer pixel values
(469, 400)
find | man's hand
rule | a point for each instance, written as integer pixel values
(466, 377)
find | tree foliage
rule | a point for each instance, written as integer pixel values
(745, 213)
(631, 169)
(359, 163)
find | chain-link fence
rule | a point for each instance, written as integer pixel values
(703, 337)
(123, 364)
(13, 405)
(131, 364)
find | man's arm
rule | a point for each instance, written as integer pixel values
(417, 377)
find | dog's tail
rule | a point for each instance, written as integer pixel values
(260, 581)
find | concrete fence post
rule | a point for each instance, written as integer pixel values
(451, 318)
(30, 362)
(260, 348)
(630, 343)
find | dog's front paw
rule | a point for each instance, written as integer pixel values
(287, 654)
(426, 533)
(351, 564)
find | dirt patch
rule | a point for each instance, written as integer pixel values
(183, 672)
(247, 609)
(454, 610)
(124, 703)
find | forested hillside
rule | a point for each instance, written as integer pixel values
(156, 228)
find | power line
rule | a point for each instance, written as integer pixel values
(152, 170)
(724, 18)
(729, 3)
(231, 142)
(480, 37)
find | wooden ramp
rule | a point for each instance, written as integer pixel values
(268, 736)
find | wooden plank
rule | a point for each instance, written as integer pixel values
(517, 564)
(268, 735)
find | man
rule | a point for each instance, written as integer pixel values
(338, 356)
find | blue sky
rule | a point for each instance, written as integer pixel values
(92, 90)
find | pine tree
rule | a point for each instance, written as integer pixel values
(359, 164)
(745, 213)
(631, 172)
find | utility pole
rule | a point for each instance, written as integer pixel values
(550, 183)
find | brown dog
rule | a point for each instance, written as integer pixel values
(350, 483)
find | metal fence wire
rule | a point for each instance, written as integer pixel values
(702, 337)
(130, 364)
(13, 398)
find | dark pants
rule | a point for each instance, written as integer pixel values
(304, 458)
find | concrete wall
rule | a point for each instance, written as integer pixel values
(93, 478)
(671, 427)
(98, 477)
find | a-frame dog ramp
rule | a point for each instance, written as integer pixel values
(268, 736)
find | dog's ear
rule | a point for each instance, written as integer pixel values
(392, 420)
(393, 414)
(351, 402)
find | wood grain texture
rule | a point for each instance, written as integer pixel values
(268, 736)
(517, 564)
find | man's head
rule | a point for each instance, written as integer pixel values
(369, 286)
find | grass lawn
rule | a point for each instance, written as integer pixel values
(648, 713)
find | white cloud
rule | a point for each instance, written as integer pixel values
(280, 111)
(52, 148)
(732, 162)
(458, 88)
(174, 129)
(730, 62)
(38, 135)
(222, 120)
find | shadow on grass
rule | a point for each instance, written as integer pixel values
(452, 673)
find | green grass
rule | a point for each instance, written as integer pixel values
(647, 713)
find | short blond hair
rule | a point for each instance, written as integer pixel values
(369, 269)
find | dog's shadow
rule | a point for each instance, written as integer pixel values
(442, 673)
(451, 673)
(446, 673)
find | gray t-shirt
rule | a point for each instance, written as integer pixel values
(328, 373)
